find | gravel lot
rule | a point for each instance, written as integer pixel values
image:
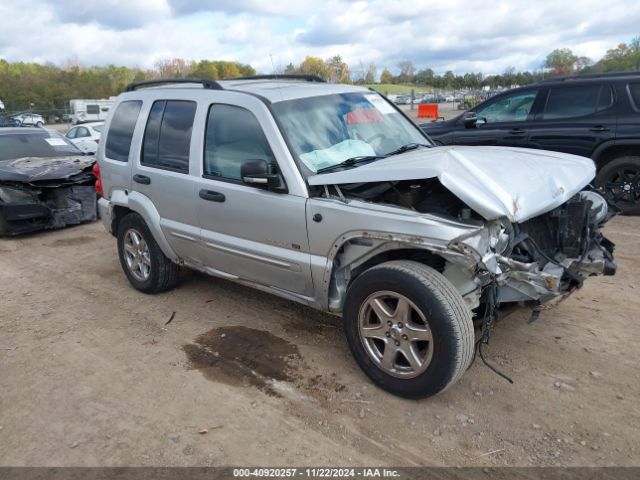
(93, 373)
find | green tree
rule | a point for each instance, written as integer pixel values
(562, 61)
(314, 66)
(386, 77)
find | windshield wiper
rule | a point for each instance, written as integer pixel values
(350, 162)
(406, 148)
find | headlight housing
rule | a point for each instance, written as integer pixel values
(10, 194)
(500, 233)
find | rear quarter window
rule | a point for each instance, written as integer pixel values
(121, 130)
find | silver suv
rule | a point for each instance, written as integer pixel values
(328, 195)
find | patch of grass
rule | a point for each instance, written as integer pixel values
(390, 88)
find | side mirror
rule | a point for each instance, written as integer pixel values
(256, 174)
(469, 119)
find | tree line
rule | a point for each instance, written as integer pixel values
(48, 88)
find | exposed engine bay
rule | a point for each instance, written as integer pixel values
(532, 262)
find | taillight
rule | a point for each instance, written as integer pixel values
(97, 140)
(96, 173)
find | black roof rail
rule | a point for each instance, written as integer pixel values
(588, 76)
(211, 84)
(284, 76)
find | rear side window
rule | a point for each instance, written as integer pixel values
(121, 130)
(634, 93)
(577, 101)
(93, 109)
(167, 138)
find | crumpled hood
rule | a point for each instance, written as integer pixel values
(516, 183)
(36, 169)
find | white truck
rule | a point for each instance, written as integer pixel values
(89, 110)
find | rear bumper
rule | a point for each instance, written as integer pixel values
(105, 211)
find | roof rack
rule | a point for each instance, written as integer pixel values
(588, 76)
(285, 76)
(211, 84)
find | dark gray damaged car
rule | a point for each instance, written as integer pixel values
(45, 182)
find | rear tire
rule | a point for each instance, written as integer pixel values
(620, 183)
(142, 260)
(431, 346)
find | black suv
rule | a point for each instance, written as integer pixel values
(596, 116)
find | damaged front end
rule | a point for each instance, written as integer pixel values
(547, 256)
(45, 193)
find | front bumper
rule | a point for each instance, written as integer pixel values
(51, 209)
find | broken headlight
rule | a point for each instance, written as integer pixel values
(10, 195)
(501, 232)
(599, 207)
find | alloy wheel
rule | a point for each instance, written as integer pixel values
(396, 334)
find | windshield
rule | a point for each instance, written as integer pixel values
(36, 144)
(327, 130)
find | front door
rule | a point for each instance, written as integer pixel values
(502, 121)
(248, 232)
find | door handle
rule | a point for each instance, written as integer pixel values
(516, 131)
(143, 179)
(599, 128)
(212, 196)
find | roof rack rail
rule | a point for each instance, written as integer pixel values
(588, 76)
(211, 84)
(284, 76)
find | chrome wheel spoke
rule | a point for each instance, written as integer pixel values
(411, 357)
(375, 331)
(417, 333)
(381, 309)
(129, 249)
(403, 311)
(389, 357)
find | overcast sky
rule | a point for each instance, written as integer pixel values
(463, 36)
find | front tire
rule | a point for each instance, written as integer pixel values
(619, 181)
(142, 260)
(408, 328)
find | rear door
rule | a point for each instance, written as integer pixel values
(575, 119)
(162, 171)
(503, 120)
(248, 232)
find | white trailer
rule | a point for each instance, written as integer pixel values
(89, 110)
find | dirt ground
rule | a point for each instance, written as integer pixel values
(93, 373)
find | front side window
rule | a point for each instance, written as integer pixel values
(93, 109)
(72, 133)
(167, 138)
(121, 130)
(513, 107)
(574, 101)
(327, 130)
(233, 136)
